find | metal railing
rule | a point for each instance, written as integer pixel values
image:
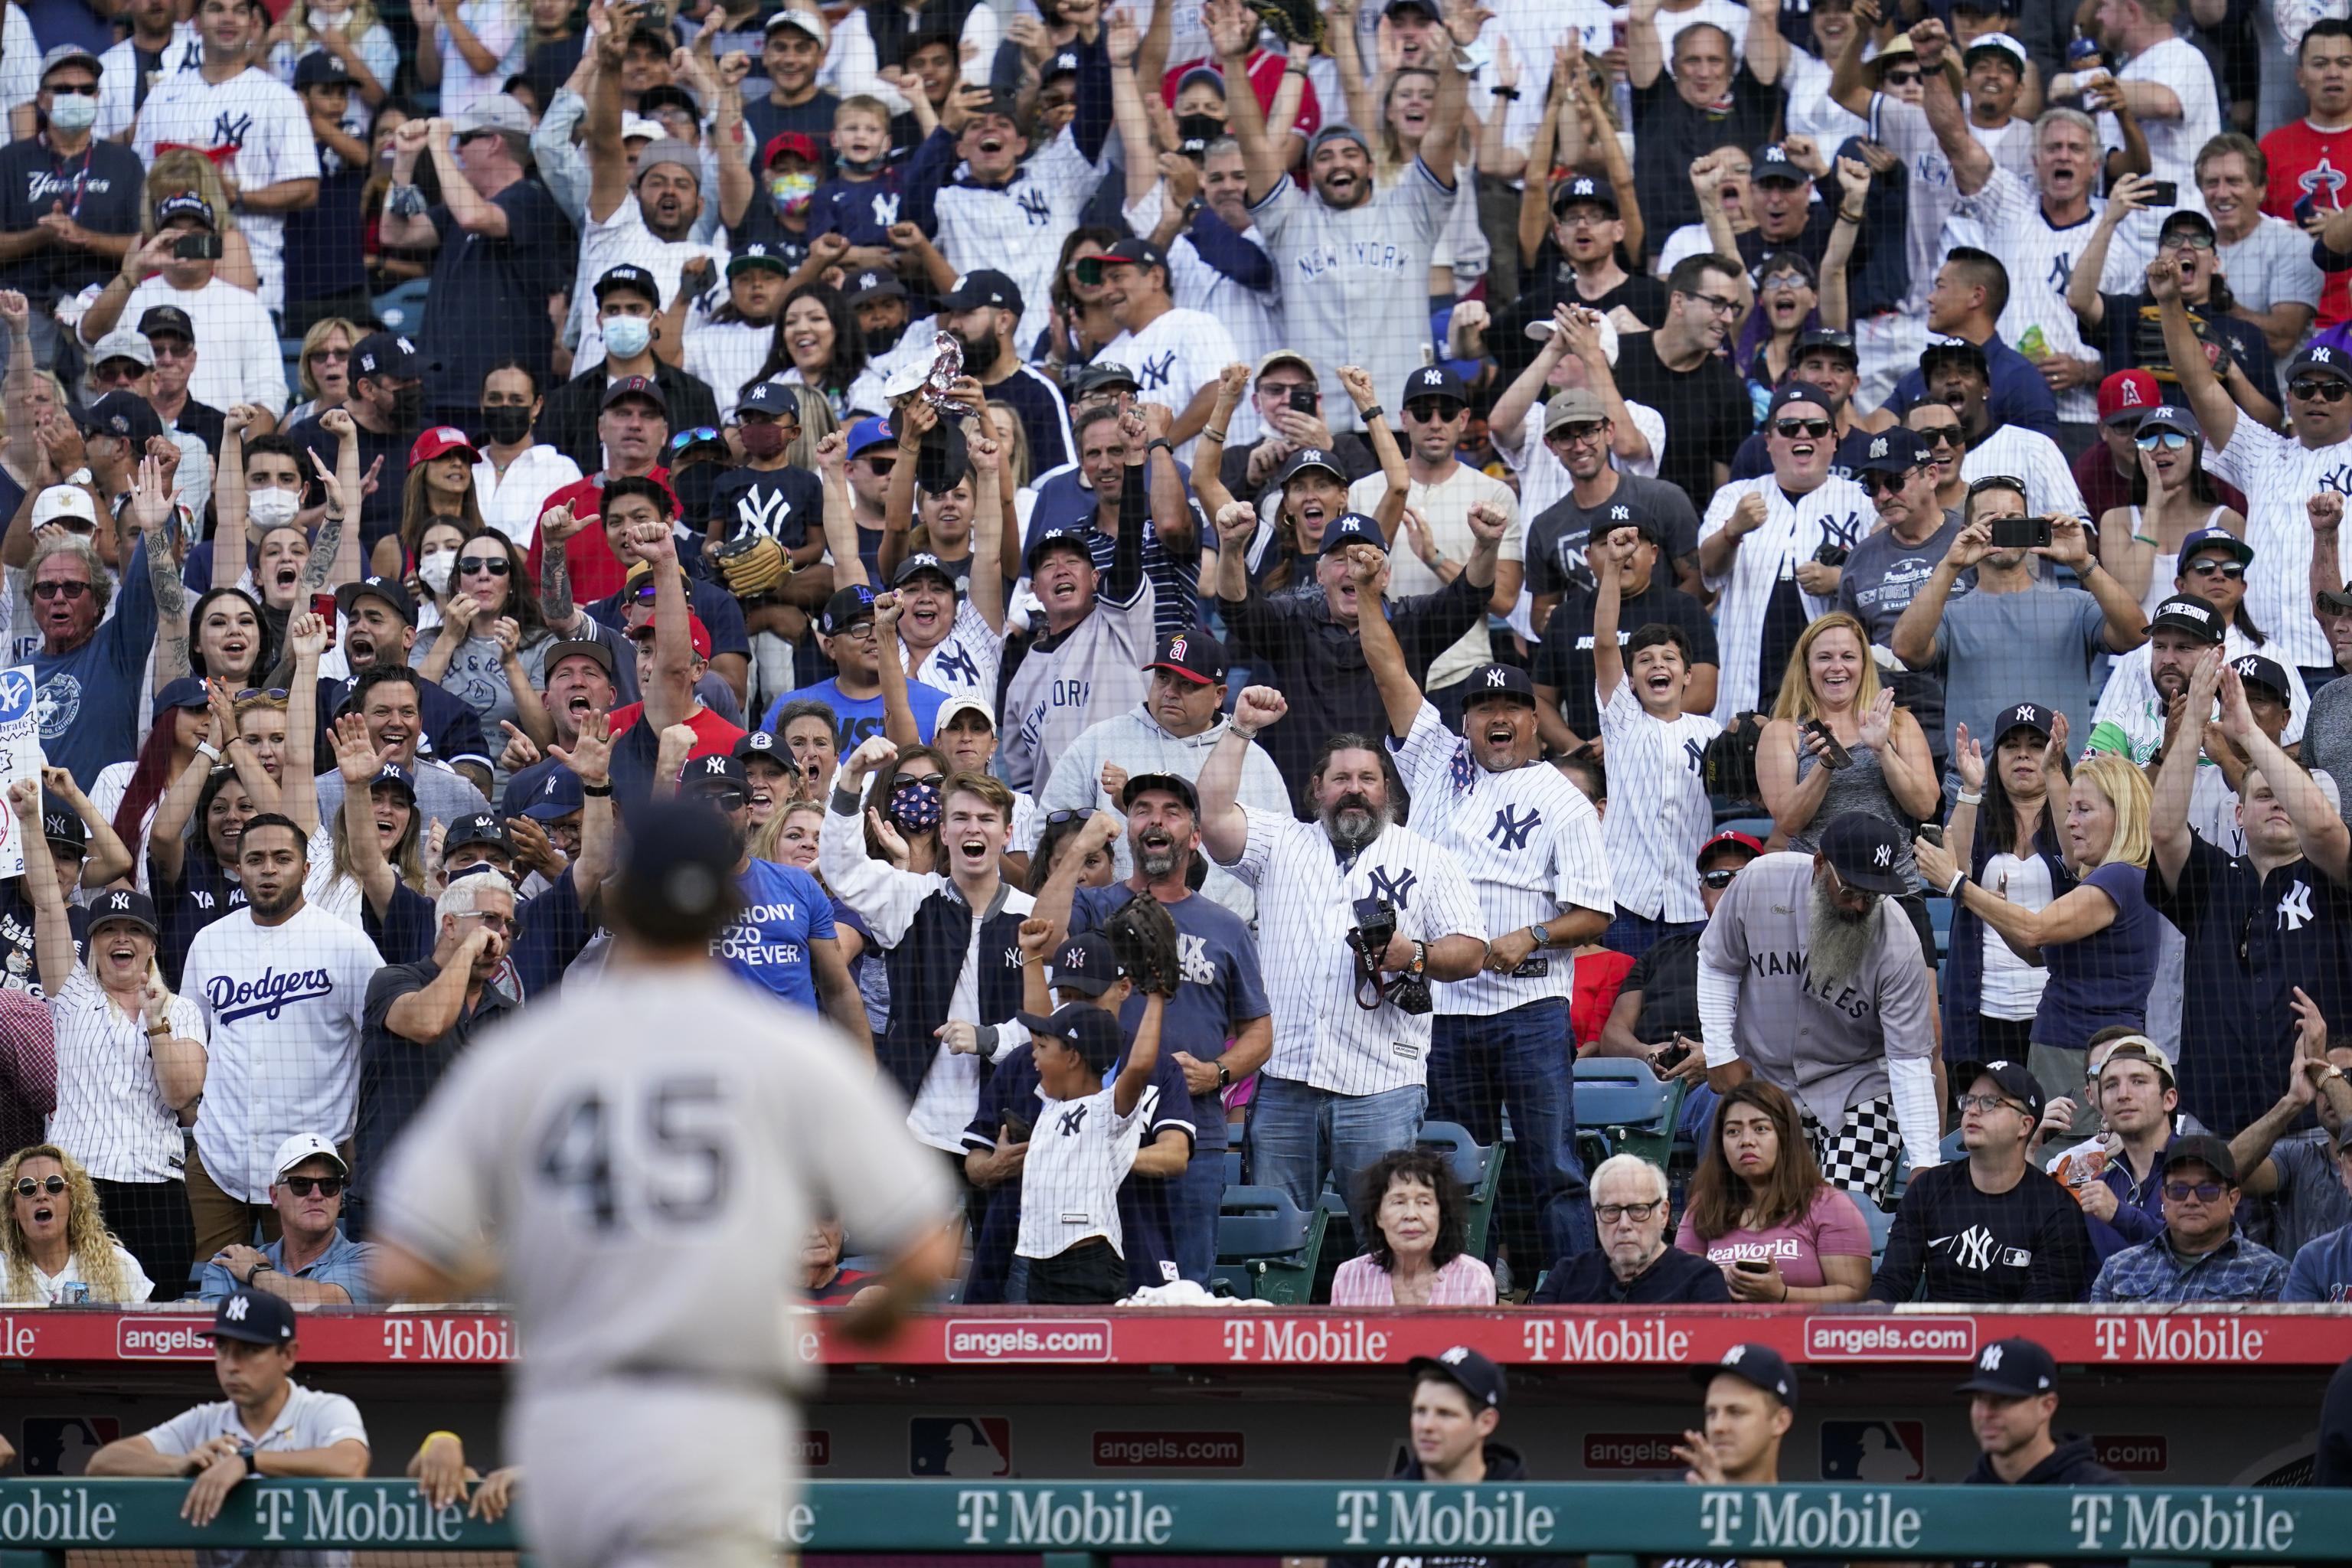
(1071, 1522)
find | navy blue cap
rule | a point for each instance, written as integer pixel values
(2023, 716)
(388, 589)
(764, 743)
(475, 827)
(395, 773)
(124, 904)
(874, 283)
(757, 254)
(2016, 1368)
(2206, 1150)
(1954, 348)
(1432, 381)
(1866, 852)
(642, 386)
(1796, 392)
(62, 825)
(1829, 339)
(1063, 63)
(2014, 1080)
(773, 398)
(187, 691)
(630, 275)
(1584, 190)
(1103, 375)
(558, 795)
(2172, 416)
(1087, 963)
(389, 354)
(255, 1316)
(2323, 358)
(2254, 669)
(1758, 1365)
(848, 606)
(1622, 511)
(1492, 680)
(1307, 457)
(123, 413)
(1771, 161)
(1465, 1368)
(1057, 539)
(717, 771)
(320, 69)
(1174, 784)
(1091, 1031)
(1894, 451)
(1353, 528)
(924, 561)
(2213, 537)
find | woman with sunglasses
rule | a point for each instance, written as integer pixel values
(492, 650)
(2172, 497)
(2007, 827)
(324, 369)
(55, 1247)
(516, 472)
(131, 1056)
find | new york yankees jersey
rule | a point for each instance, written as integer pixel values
(1079, 1152)
(117, 75)
(1834, 512)
(966, 660)
(1247, 314)
(1902, 129)
(2278, 473)
(1306, 907)
(2018, 453)
(1177, 353)
(724, 355)
(1014, 227)
(1658, 768)
(1529, 843)
(2041, 259)
(259, 116)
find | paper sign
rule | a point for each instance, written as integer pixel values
(20, 754)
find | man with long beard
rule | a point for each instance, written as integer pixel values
(1811, 978)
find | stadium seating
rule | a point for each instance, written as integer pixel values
(1265, 1247)
(1480, 1172)
(1623, 1109)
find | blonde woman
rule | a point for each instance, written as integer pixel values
(1830, 702)
(2098, 940)
(324, 367)
(176, 172)
(130, 1064)
(817, 422)
(56, 1246)
(347, 29)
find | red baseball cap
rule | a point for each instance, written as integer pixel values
(795, 142)
(440, 441)
(2128, 392)
(697, 634)
(1730, 837)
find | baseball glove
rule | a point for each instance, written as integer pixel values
(752, 564)
(1293, 21)
(1144, 938)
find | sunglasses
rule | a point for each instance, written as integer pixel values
(121, 372)
(303, 1186)
(2178, 1192)
(935, 780)
(1874, 483)
(2160, 440)
(275, 694)
(1432, 410)
(1951, 437)
(330, 354)
(2319, 389)
(685, 439)
(1067, 815)
(26, 1186)
(1718, 878)
(1901, 78)
(2235, 571)
(1814, 428)
(59, 590)
(73, 89)
(880, 467)
(726, 797)
(496, 565)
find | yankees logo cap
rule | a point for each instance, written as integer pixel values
(557, 796)
(877, 283)
(1093, 1032)
(1087, 963)
(1351, 528)
(1466, 1370)
(714, 774)
(2030, 715)
(922, 562)
(475, 827)
(125, 904)
(1772, 162)
(1103, 375)
(1307, 457)
(773, 398)
(1894, 451)
(1866, 852)
(759, 255)
(188, 691)
(255, 1318)
(390, 354)
(63, 826)
(1583, 191)
(1071, 539)
(2016, 1368)
(1760, 1366)
(1489, 681)
(2268, 674)
(2015, 1081)
(1433, 381)
(2321, 359)
(2173, 416)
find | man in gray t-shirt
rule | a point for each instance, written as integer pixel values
(1812, 978)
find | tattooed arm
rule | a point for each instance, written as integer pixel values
(170, 617)
(556, 527)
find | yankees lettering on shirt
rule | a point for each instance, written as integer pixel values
(268, 994)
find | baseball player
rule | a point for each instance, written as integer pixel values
(620, 1165)
(1751, 1402)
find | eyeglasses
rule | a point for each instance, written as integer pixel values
(60, 590)
(1567, 434)
(1720, 307)
(173, 348)
(1609, 1214)
(275, 694)
(1718, 878)
(1793, 429)
(26, 1186)
(1786, 282)
(2186, 242)
(2160, 440)
(2178, 1192)
(1901, 78)
(496, 565)
(491, 921)
(2319, 389)
(2233, 570)
(1991, 1102)
(1874, 482)
(863, 630)
(1950, 436)
(303, 1186)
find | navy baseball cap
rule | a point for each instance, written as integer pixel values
(2205, 539)
(2321, 359)
(558, 795)
(64, 827)
(476, 827)
(1864, 851)
(634, 279)
(185, 204)
(1953, 348)
(921, 562)
(390, 354)
(124, 414)
(1433, 381)
(679, 867)
(1128, 252)
(713, 774)
(170, 320)
(388, 589)
(395, 773)
(2205, 1150)
(1093, 1032)
(1466, 1370)
(1073, 539)
(1086, 964)
(642, 386)
(773, 398)
(1353, 528)
(767, 744)
(874, 283)
(320, 68)
(2022, 716)
(1761, 1366)
(1797, 392)
(187, 691)
(846, 608)
(985, 287)
(865, 435)
(1103, 375)
(1584, 191)
(1193, 654)
(1063, 63)
(2015, 1368)
(2014, 1080)
(2173, 416)
(1624, 512)
(1828, 340)
(2186, 612)
(254, 1317)
(1489, 681)
(1894, 451)
(1174, 784)
(1773, 162)
(759, 255)
(125, 904)
(2254, 669)
(1307, 457)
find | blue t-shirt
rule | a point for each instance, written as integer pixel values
(1223, 988)
(2103, 979)
(768, 945)
(857, 718)
(862, 211)
(89, 698)
(2322, 1270)
(782, 503)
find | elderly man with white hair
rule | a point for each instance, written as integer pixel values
(1634, 1266)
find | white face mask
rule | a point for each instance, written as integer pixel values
(325, 21)
(73, 111)
(271, 508)
(434, 568)
(626, 337)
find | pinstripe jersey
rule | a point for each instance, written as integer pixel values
(1079, 1152)
(1017, 228)
(1836, 512)
(2041, 259)
(1306, 907)
(965, 662)
(1657, 769)
(1527, 838)
(2277, 472)
(259, 116)
(724, 355)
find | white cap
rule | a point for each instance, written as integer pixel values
(123, 342)
(633, 126)
(304, 1146)
(907, 378)
(955, 705)
(60, 501)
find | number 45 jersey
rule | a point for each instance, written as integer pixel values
(644, 1156)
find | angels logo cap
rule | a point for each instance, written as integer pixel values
(2127, 395)
(1867, 853)
(1195, 655)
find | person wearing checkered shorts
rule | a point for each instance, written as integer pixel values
(1861, 1152)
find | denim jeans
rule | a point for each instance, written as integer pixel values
(1298, 1134)
(1634, 935)
(1525, 1059)
(1193, 1199)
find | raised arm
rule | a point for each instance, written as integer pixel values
(841, 515)
(1389, 511)
(1143, 1056)
(608, 165)
(53, 947)
(2216, 410)
(1972, 166)
(2082, 285)
(1853, 198)
(669, 695)
(1232, 29)
(1646, 56)
(2318, 828)
(2326, 510)
(1401, 699)
(985, 586)
(358, 760)
(335, 548)
(898, 710)
(1914, 638)
(1535, 186)
(1224, 826)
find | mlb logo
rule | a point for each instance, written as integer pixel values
(1873, 1451)
(62, 1444)
(963, 1448)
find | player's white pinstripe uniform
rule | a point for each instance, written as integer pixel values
(1837, 512)
(2041, 261)
(2277, 473)
(259, 116)
(1528, 841)
(2018, 453)
(1079, 1152)
(1657, 770)
(1306, 907)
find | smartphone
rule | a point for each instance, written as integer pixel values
(197, 247)
(1012, 1130)
(1749, 1266)
(324, 607)
(1617, 34)
(1303, 398)
(1670, 1056)
(1838, 757)
(2021, 532)
(1933, 832)
(2163, 194)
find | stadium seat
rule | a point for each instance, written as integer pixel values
(1265, 1247)
(1881, 1223)
(1939, 916)
(1757, 828)
(402, 309)
(1480, 1172)
(1623, 1109)
(1233, 1165)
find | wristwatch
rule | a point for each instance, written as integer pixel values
(81, 476)
(1541, 934)
(1225, 1075)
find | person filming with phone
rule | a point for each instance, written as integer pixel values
(178, 265)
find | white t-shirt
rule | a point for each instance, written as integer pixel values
(283, 1008)
(237, 342)
(259, 116)
(2011, 988)
(1445, 508)
(66, 1288)
(511, 504)
(624, 237)
(1177, 353)
(723, 355)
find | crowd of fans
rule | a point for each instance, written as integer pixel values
(1794, 547)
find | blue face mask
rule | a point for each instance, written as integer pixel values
(915, 807)
(626, 337)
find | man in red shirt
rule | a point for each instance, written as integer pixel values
(633, 426)
(2312, 157)
(674, 646)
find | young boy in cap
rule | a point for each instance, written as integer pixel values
(2012, 1395)
(1751, 1402)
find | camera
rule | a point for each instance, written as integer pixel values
(1375, 928)
(1830, 553)
(2021, 533)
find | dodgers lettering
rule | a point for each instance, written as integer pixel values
(267, 993)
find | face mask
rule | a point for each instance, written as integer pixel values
(1195, 131)
(73, 111)
(873, 165)
(408, 406)
(760, 439)
(791, 192)
(320, 21)
(507, 423)
(271, 508)
(626, 337)
(915, 807)
(433, 569)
